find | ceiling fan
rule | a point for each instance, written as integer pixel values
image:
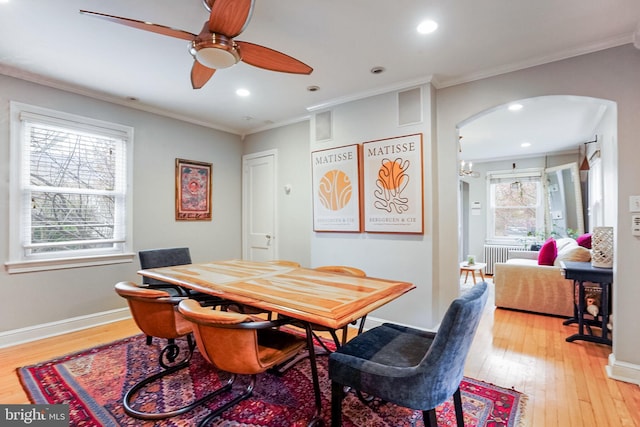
(214, 47)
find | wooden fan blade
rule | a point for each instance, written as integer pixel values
(230, 17)
(200, 75)
(269, 59)
(142, 25)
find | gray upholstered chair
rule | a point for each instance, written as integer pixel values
(165, 257)
(410, 367)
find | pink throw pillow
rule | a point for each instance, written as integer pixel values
(584, 241)
(548, 252)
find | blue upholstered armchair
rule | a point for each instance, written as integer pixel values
(410, 367)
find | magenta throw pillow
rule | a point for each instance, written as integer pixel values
(584, 240)
(548, 252)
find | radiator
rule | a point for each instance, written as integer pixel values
(497, 253)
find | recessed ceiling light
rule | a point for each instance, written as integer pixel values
(427, 27)
(377, 70)
(313, 88)
(515, 107)
(525, 144)
(243, 92)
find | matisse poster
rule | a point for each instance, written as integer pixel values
(336, 189)
(393, 185)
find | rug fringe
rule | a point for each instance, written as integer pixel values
(521, 412)
(25, 388)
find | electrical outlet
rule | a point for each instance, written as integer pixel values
(634, 203)
(635, 225)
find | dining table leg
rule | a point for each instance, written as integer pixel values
(316, 420)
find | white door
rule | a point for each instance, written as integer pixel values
(259, 241)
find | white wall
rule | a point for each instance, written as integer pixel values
(608, 136)
(393, 256)
(294, 213)
(53, 296)
(610, 74)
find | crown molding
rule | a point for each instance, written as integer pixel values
(137, 105)
(541, 60)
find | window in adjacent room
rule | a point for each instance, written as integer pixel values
(69, 190)
(516, 208)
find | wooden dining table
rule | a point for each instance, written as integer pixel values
(313, 297)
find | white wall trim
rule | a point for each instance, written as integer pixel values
(52, 329)
(623, 371)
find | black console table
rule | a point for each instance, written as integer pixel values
(581, 272)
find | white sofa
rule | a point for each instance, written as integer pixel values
(522, 284)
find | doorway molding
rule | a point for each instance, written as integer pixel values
(269, 208)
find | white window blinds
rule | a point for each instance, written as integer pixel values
(515, 205)
(72, 186)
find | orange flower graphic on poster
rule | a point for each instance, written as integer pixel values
(391, 183)
(335, 190)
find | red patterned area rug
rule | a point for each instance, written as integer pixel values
(94, 381)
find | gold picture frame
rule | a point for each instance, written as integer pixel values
(193, 190)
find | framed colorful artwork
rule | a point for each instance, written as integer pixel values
(193, 190)
(393, 185)
(336, 189)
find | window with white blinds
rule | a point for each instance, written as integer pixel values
(69, 184)
(516, 207)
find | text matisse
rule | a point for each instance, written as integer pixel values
(333, 158)
(385, 150)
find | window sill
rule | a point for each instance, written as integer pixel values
(61, 263)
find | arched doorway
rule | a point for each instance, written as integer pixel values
(534, 134)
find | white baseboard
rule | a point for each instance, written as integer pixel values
(52, 329)
(623, 371)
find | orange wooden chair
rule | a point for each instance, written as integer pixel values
(156, 314)
(240, 345)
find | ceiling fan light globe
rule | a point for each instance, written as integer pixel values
(216, 58)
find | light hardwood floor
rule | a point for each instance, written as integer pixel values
(566, 383)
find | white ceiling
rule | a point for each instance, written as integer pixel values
(50, 42)
(548, 124)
